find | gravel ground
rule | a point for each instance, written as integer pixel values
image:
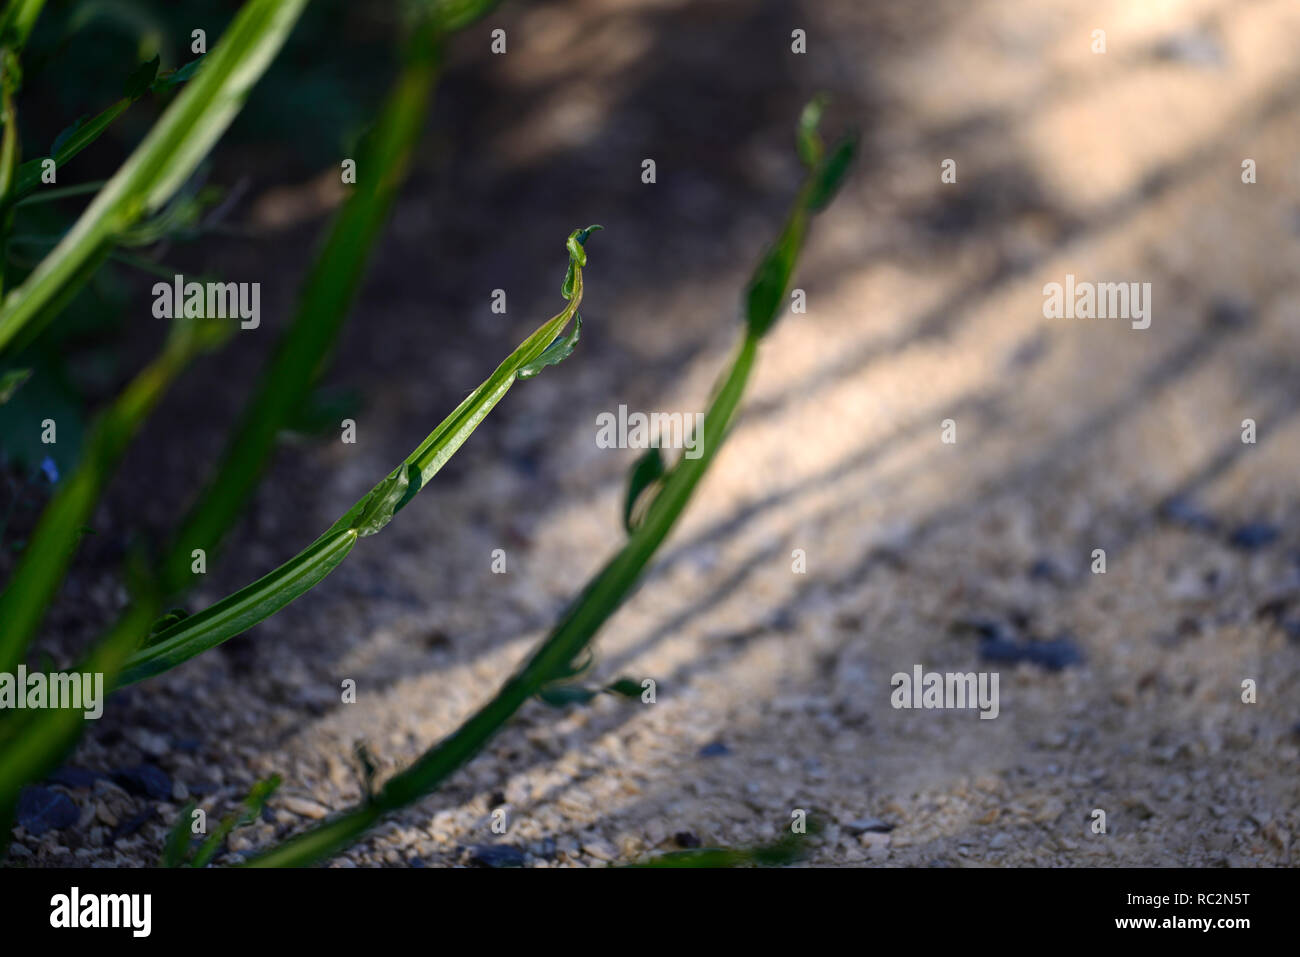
(925, 304)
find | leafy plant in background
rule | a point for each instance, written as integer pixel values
(305, 348)
(148, 179)
(50, 394)
(83, 132)
(159, 166)
(668, 490)
(32, 744)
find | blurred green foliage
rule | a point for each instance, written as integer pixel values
(317, 99)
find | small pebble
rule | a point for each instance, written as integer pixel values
(985, 628)
(1182, 510)
(75, 777)
(496, 855)
(872, 825)
(1254, 535)
(1198, 48)
(877, 845)
(1045, 570)
(132, 824)
(304, 807)
(145, 781)
(1054, 655)
(154, 745)
(41, 809)
(600, 849)
(1231, 313)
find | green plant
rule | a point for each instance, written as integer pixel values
(31, 747)
(304, 349)
(671, 489)
(238, 612)
(15, 27)
(327, 295)
(151, 197)
(177, 851)
(158, 167)
(31, 744)
(83, 132)
(143, 184)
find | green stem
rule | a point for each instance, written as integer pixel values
(574, 632)
(603, 595)
(240, 611)
(327, 295)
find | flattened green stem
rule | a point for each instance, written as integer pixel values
(576, 629)
(243, 609)
(613, 583)
(305, 348)
(240, 611)
(247, 813)
(598, 600)
(161, 163)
